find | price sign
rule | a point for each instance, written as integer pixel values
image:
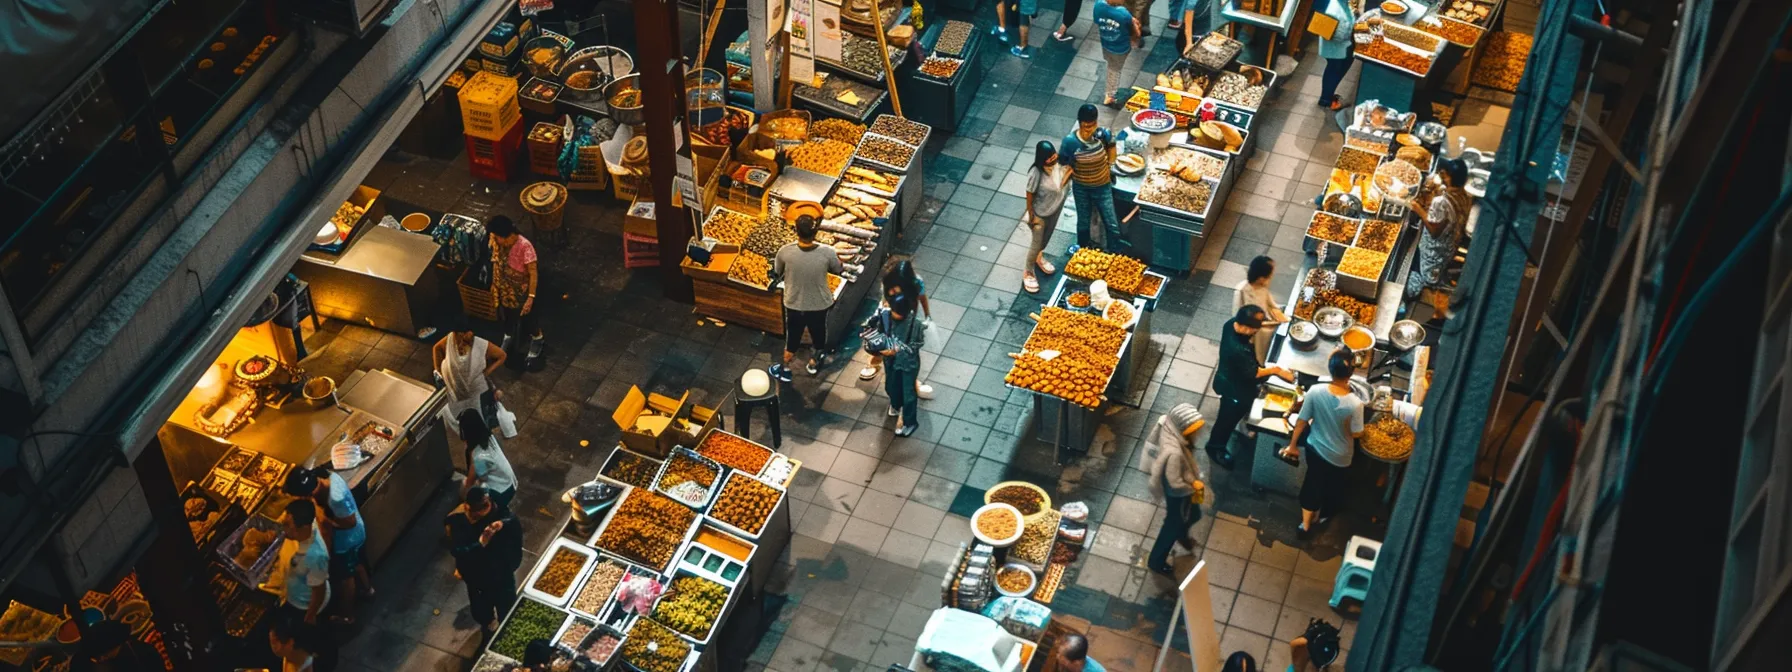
(1235, 116)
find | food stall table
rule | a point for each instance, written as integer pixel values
(1391, 83)
(1276, 26)
(944, 103)
(1067, 426)
(381, 280)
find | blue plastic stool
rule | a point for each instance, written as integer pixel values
(1353, 576)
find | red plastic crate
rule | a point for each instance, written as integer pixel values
(496, 159)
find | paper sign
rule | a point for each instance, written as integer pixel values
(774, 17)
(802, 38)
(827, 17)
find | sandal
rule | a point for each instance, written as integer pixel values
(1030, 283)
(1045, 266)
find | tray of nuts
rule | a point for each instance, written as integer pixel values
(1378, 235)
(1362, 263)
(1035, 545)
(689, 478)
(728, 226)
(1361, 162)
(823, 156)
(1332, 228)
(902, 130)
(1395, 55)
(838, 129)
(734, 451)
(627, 467)
(647, 528)
(1164, 192)
(1460, 33)
(752, 270)
(745, 505)
(941, 67)
(560, 568)
(953, 37)
(885, 153)
(768, 236)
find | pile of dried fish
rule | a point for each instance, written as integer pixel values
(1236, 89)
(1173, 192)
(1188, 164)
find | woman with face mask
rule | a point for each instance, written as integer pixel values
(1047, 183)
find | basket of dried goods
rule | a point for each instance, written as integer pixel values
(1122, 273)
(529, 621)
(559, 570)
(1015, 580)
(1387, 438)
(902, 130)
(734, 451)
(250, 551)
(646, 528)
(872, 180)
(1214, 52)
(1333, 228)
(728, 226)
(1069, 355)
(1358, 161)
(882, 152)
(745, 504)
(752, 270)
(630, 468)
(768, 236)
(1378, 236)
(689, 478)
(691, 606)
(599, 586)
(1502, 59)
(1035, 545)
(1244, 89)
(837, 129)
(1397, 179)
(823, 156)
(1030, 500)
(1186, 198)
(651, 647)
(997, 524)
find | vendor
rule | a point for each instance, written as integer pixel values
(1254, 291)
(1330, 419)
(1236, 378)
(1446, 215)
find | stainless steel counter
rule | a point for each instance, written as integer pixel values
(384, 279)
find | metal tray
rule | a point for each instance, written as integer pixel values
(541, 565)
(796, 184)
(1124, 344)
(696, 520)
(721, 615)
(901, 178)
(714, 487)
(511, 611)
(253, 574)
(1213, 195)
(859, 155)
(610, 596)
(728, 527)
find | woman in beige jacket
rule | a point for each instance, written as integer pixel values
(1175, 479)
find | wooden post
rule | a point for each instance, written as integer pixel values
(883, 52)
(662, 95)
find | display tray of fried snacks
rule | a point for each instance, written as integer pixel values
(1122, 273)
(1333, 228)
(1070, 355)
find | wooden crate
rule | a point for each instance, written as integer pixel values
(544, 157)
(477, 303)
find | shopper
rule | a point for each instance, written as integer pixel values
(109, 647)
(337, 512)
(303, 569)
(1175, 479)
(1071, 9)
(1193, 18)
(1336, 48)
(1255, 291)
(904, 362)
(1141, 11)
(1119, 34)
(1024, 11)
(900, 279)
(1446, 215)
(804, 266)
(487, 543)
(487, 466)
(464, 363)
(1235, 379)
(1330, 420)
(1316, 648)
(295, 643)
(1089, 151)
(516, 278)
(1073, 655)
(1239, 661)
(1047, 184)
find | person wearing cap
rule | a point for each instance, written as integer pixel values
(337, 512)
(1330, 419)
(1089, 151)
(1236, 378)
(108, 647)
(804, 266)
(303, 569)
(516, 278)
(486, 541)
(1174, 478)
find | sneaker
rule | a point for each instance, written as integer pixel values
(1000, 33)
(869, 372)
(924, 391)
(780, 371)
(1019, 51)
(812, 368)
(894, 411)
(1174, 25)
(907, 431)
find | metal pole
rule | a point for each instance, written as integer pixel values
(883, 52)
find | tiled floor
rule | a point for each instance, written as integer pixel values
(877, 517)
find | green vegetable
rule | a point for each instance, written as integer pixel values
(530, 621)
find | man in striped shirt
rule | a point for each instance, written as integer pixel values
(1089, 151)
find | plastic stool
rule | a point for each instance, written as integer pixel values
(743, 412)
(1359, 566)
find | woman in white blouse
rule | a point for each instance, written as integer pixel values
(1255, 291)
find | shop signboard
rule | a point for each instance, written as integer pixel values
(827, 18)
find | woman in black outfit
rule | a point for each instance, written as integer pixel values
(1071, 9)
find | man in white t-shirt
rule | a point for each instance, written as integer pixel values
(304, 564)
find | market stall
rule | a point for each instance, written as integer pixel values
(1188, 140)
(996, 593)
(1081, 353)
(860, 182)
(659, 565)
(1349, 297)
(1405, 45)
(939, 92)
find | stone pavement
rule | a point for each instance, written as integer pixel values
(878, 517)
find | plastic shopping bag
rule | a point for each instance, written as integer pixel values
(506, 421)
